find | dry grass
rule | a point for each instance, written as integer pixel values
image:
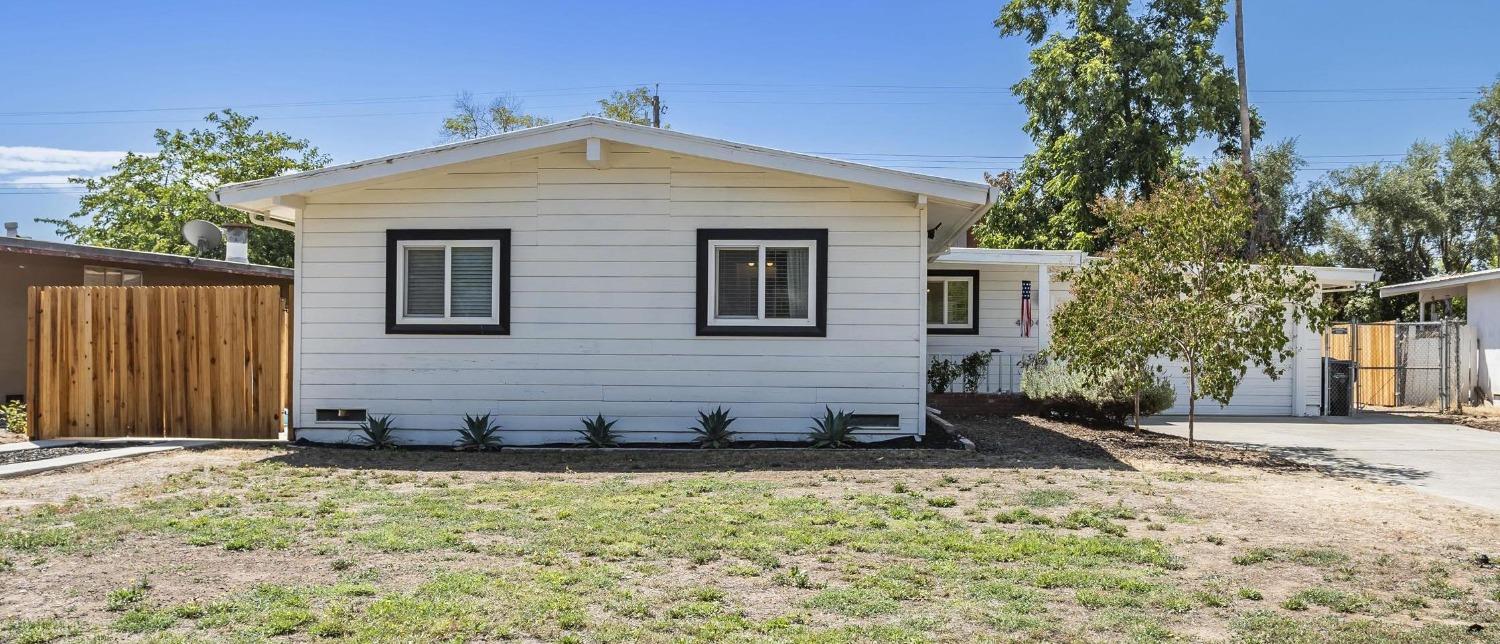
(1053, 533)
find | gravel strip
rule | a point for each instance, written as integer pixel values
(44, 453)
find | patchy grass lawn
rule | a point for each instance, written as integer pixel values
(311, 543)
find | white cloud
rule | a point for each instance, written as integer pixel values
(50, 168)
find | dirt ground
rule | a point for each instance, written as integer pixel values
(1214, 508)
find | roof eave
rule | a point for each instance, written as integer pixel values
(248, 192)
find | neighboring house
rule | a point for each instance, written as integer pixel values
(1481, 340)
(32, 262)
(596, 267)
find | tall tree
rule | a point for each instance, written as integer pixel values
(1117, 90)
(1201, 303)
(472, 119)
(632, 106)
(143, 204)
(1436, 211)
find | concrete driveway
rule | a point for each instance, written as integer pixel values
(1453, 461)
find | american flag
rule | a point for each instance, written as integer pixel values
(1025, 308)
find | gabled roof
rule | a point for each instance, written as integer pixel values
(25, 246)
(1440, 282)
(245, 195)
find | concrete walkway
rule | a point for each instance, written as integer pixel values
(1453, 461)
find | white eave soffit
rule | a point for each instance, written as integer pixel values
(248, 193)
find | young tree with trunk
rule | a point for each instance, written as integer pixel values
(1205, 306)
(472, 119)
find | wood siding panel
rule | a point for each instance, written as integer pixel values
(603, 283)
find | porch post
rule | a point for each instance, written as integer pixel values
(1043, 307)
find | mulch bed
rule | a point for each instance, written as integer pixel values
(1033, 437)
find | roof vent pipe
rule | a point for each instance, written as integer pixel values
(12, 229)
(237, 243)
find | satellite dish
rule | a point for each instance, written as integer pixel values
(203, 235)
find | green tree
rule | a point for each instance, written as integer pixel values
(1198, 301)
(1104, 333)
(1117, 91)
(143, 204)
(632, 106)
(472, 119)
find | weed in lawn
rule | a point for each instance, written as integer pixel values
(1025, 517)
(144, 620)
(37, 631)
(1314, 557)
(1330, 598)
(942, 502)
(1250, 594)
(121, 599)
(854, 602)
(1045, 498)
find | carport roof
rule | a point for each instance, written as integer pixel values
(1440, 282)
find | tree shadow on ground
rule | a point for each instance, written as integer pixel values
(1025, 445)
(1328, 462)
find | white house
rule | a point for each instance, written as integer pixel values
(596, 267)
(1481, 338)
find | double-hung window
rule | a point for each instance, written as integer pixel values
(448, 281)
(953, 302)
(762, 282)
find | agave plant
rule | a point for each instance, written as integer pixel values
(478, 433)
(713, 429)
(834, 429)
(598, 432)
(379, 432)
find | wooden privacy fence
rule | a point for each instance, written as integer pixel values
(190, 361)
(1373, 347)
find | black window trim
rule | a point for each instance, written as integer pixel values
(818, 236)
(394, 236)
(973, 328)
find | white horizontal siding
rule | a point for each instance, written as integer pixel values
(603, 301)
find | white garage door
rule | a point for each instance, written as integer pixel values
(1257, 395)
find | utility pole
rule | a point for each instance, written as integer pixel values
(656, 106)
(1258, 223)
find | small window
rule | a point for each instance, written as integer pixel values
(447, 281)
(953, 302)
(762, 282)
(109, 276)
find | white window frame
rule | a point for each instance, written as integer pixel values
(760, 245)
(447, 246)
(946, 279)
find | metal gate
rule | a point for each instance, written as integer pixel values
(1399, 364)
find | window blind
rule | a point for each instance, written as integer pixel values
(473, 276)
(424, 282)
(935, 297)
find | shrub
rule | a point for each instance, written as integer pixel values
(598, 432)
(13, 414)
(478, 433)
(941, 373)
(1064, 394)
(713, 428)
(379, 432)
(973, 368)
(834, 429)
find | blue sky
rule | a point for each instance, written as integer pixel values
(866, 80)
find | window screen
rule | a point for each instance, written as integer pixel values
(737, 290)
(425, 268)
(786, 283)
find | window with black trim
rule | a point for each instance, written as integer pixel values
(448, 281)
(953, 302)
(771, 282)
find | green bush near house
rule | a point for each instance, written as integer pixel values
(1067, 395)
(13, 414)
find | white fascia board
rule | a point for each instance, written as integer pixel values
(1443, 282)
(1011, 256)
(580, 129)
